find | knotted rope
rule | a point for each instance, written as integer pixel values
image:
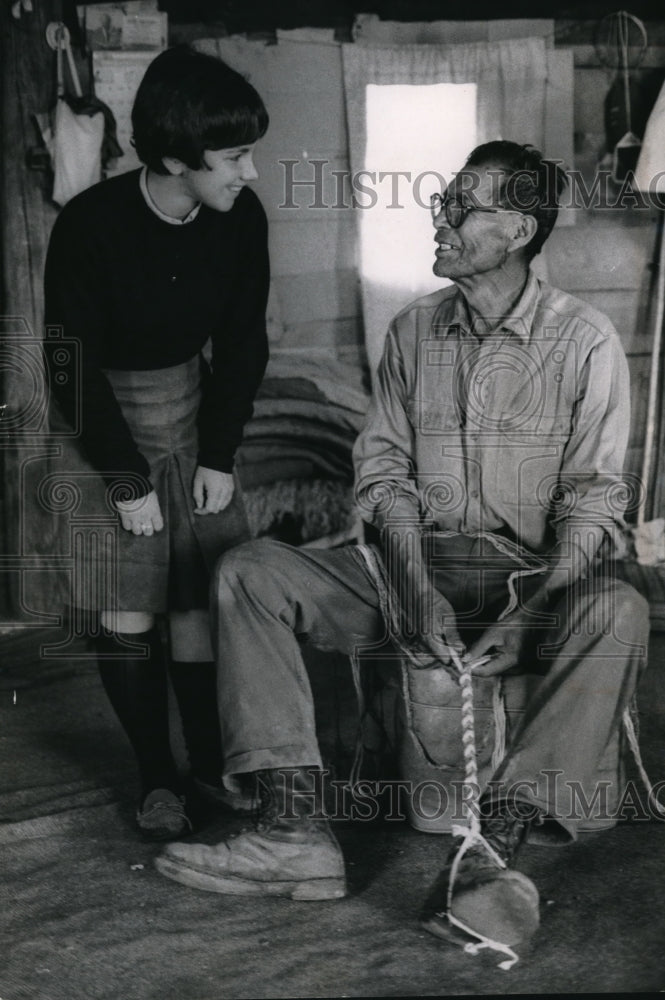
(471, 834)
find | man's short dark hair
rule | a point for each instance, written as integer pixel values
(532, 184)
(188, 102)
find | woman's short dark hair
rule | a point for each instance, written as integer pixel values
(188, 102)
(532, 184)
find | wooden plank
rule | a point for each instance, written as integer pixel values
(587, 56)
(312, 249)
(320, 295)
(639, 366)
(294, 180)
(369, 29)
(302, 245)
(633, 463)
(585, 31)
(558, 122)
(623, 309)
(591, 87)
(541, 27)
(297, 189)
(117, 76)
(27, 87)
(558, 128)
(301, 85)
(585, 257)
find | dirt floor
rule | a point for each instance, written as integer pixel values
(86, 917)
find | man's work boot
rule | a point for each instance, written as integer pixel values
(292, 852)
(499, 904)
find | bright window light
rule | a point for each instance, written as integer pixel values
(421, 131)
(425, 132)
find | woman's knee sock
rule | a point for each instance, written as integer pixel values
(195, 687)
(137, 689)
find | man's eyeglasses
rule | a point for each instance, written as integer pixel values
(456, 210)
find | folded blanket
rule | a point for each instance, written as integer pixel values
(313, 508)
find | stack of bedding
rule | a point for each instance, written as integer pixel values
(295, 460)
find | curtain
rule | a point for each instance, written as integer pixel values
(511, 80)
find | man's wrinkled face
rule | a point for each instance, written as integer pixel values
(481, 243)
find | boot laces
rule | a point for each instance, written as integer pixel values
(507, 827)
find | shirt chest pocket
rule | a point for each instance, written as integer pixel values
(433, 416)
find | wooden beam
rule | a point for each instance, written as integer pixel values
(27, 217)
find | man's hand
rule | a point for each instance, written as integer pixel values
(501, 644)
(432, 623)
(211, 490)
(142, 516)
(428, 619)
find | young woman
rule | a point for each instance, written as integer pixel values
(145, 270)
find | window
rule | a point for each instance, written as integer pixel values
(417, 135)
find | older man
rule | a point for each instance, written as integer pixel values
(491, 463)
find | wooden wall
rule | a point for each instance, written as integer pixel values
(27, 68)
(315, 301)
(315, 306)
(606, 256)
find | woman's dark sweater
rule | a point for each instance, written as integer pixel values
(139, 293)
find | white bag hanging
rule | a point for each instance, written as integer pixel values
(76, 142)
(650, 171)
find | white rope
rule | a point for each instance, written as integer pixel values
(513, 601)
(471, 834)
(629, 727)
(468, 738)
(473, 947)
(500, 723)
(356, 766)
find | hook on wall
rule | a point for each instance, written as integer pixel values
(58, 39)
(19, 7)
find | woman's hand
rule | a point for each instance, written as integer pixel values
(142, 516)
(212, 490)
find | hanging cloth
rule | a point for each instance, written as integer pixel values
(77, 132)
